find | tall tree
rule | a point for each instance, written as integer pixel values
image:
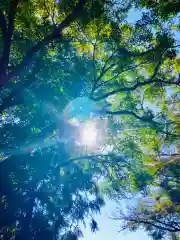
(127, 79)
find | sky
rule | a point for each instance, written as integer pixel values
(109, 228)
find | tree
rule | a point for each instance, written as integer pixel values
(49, 198)
(48, 18)
(39, 198)
(158, 212)
(52, 53)
(163, 9)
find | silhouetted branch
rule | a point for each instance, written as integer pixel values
(146, 222)
(139, 218)
(148, 119)
(114, 77)
(137, 85)
(170, 134)
(94, 64)
(125, 52)
(170, 155)
(103, 71)
(3, 24)
(96, 158)
(7, 36)
(151, 80)
(11, 18)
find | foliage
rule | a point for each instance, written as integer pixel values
(56, 52)
(158, 212)
(163, 9)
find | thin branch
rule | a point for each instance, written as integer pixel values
(101, 75)
(94, 64)
(100, 157)
(137, 85)
(126, 70)
(151, 80)
(104, 70)
(139, 220)
(170, 134)
(170, 155)
(154, 225)
(147, 119)
(175, 46)
(123, 51)
(171, 225)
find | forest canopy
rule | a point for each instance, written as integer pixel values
(89, 110)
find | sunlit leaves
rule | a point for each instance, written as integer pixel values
(177, 65)
(162, 206)
(84, 48)
(126, 32)
(106, 31)
(53, 52)
(153, 93)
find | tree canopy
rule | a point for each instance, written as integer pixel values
(89, 107)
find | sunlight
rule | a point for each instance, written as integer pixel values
(88, 134)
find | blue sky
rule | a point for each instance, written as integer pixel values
(109, 228)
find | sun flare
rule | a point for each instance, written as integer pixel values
(88, 134)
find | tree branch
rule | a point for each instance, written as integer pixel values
(153, 224)
(151, 80)
(8, 32)
(170, 155)
(104, 70)
(93, 63)
(95, 158)
(148, 119)
(170, 134)
(123, 51)
(3, 25)
(114, 77)
(137, 85)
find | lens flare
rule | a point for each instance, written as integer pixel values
(89, 134)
